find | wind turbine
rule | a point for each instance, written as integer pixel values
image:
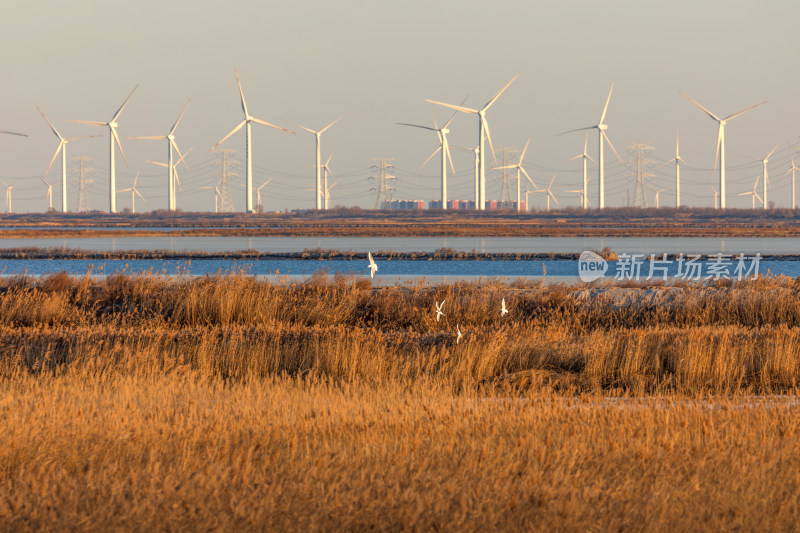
(62, 148)
(248, 120)
(657, 191)
(601, 128)
(549, 193)
(49, 194)
(793, 170)
(134, 191)
(483, 131)
(9, 188)
(519, 168)
(318, 135)
(112, 136)
(328, 193)
(216, 197)
(753, 194)
(584, 156)
(720, 155)
(444, 148)
(173, 171)
(678, 160)
(259, 205)
(327, 170)
(171, 145)
(766, 174)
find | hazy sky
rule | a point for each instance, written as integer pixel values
(308, 62)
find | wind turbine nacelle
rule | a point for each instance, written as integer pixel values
(112, 124)
(445, 131)
(602, 127)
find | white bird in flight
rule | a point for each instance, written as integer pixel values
(458, 330)
(503, 310)
(439, 312)
(372, 266)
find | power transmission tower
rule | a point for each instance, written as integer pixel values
(225, 164)
(83, 181)
(640, 151)
(505, 190)
(383, 189)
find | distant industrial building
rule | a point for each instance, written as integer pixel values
(492, 205)
(403, 204)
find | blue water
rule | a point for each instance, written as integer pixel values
(394, 268)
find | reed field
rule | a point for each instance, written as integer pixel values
(232, 403)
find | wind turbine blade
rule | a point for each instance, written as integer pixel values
(577, 129)
(429, 158)
(159, 163)
(523, 151)
(334, 184)
(241, 93)
(759, 198)
(135, 180)
(181, 157)
(586, 143)
(771, 152)
(234, 130)
(90, 122)
(553, 196)
(119, 111)
(742, 112)
(178, 179)
(574, 158)
(332, 123)
(179, 117)
(417, 126)
(590, 158)
(551, 182)
(612, 146)
(501, 91)
(451, 106)
(605, 109)
(709, 113)
(744, 194)
(527, 176)
(50, 123)
(139, 195)
(119, 144)
(13, 133)
(263, 123)
(446, 146)
(489, 137)
(58, 151)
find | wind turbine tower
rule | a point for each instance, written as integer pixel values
(720, 155)
(248, 120)
(793, 170)
(602, 137)
(584, 156)
(112, 137)
(678, 160)
(766, 174)
(171, 145)
(444, 148)
(483, 133)
(62, 148)
(318, 135)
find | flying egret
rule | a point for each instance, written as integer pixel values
(372, 266)
(439, 312)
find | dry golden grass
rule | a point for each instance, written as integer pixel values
(229, 403)
(84, 452)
